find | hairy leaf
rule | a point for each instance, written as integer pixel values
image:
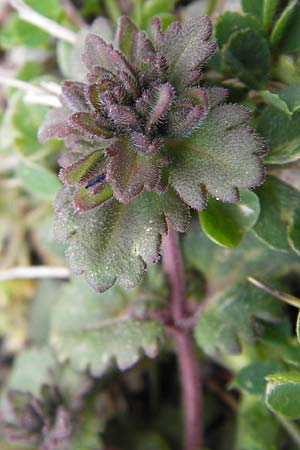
(131, 172)
(114, 242)
(219, 158)
(93, 331)
(187, 48)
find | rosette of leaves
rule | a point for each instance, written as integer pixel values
(146, 142)
(40, 422)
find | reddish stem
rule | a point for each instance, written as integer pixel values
(183, 340)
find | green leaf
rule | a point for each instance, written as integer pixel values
(274, 100)
(278, 201)
(251, 257)
(87, 433)
(114, 242)
(219, 158)
(229, 22)
(251, 379)
(269, 10)
(294, 231)
(32, 368)
(247, 56)
(160, 8)
(38, 180)
(290, 42)
(254, 7)
(93, 331)
(231, 317)
(40, 312)
(282, 134)
(226, 224)
(291, 96)
(258, 429)
(20, 126)
(151, 441)
(16, 32)
(282, 25)
(283, 394)
(125, 35)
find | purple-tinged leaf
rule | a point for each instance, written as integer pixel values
(97, 73)
(155, 32)
(197, 95)
(122, 64)
(97, 53)
(141, 48)
(123, 116)
(160, 106)
(84, 200)
(84, 124)
(130, 84)
(83, 170)
(182, 124)
(131, 172)
(144, 144)
(114, 242)
(125, 35)
(74, 96)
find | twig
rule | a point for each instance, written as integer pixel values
(9, 162)
(287, 298)
(44, 95)
(54, 29)
(34, 272)
(187, 359)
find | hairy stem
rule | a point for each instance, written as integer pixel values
(187, 359)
